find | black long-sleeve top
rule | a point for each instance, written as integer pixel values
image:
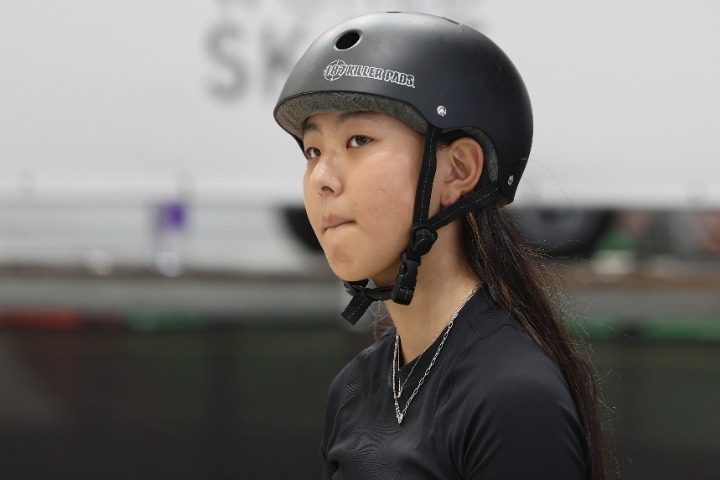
(493, 407)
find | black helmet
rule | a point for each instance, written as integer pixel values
(436, 75)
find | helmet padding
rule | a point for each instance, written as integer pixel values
(293, 112)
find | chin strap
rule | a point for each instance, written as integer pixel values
(422, 236)
(362, 298)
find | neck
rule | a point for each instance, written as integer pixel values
(444, 281)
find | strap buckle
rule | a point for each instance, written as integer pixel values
(422, 238)
(405, 282)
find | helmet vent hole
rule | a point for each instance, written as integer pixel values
(347, 40)
(451, 20)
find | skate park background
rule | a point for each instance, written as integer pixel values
(164, 312)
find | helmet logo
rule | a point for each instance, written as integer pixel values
(334, 70)
(338, 68)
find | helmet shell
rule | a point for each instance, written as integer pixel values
(421, 68)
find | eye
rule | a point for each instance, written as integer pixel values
(358, 141)
(311, 153)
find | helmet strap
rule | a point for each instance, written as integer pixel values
(362, 298)
(422, 236)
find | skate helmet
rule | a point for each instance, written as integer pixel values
(441, 78)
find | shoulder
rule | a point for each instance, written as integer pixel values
(351, 384)
(519, 416)
(496, 356)
(508, 371)
(358, 371)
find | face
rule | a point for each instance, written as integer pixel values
(359, 189)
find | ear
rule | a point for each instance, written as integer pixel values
(463, 164)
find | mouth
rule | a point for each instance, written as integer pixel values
(331, 222)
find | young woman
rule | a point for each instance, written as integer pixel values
(416, 130)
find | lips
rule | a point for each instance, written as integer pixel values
(330, 221)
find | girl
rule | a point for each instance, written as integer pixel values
(410, 123)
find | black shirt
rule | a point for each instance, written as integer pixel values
(493, 406)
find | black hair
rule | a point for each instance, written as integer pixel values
(522, 281)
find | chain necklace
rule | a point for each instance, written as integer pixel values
(400, 414)
(402, 385)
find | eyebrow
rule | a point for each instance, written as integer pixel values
(309, 126)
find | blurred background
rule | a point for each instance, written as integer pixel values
(164, 311)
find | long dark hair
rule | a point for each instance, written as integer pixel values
(520, 280)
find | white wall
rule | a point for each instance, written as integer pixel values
(120, 104)
(127, 98)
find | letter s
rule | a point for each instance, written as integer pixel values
(216, 45)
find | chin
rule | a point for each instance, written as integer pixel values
(352, 262)
(353, 273)
(348, 268)
(346, 273)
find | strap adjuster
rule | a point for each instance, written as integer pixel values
(422, 238)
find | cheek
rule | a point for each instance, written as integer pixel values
(388, 202)
(313, 206)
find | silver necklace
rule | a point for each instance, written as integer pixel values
(400, 414)
(401, 384)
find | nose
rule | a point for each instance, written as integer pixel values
(324, 177)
